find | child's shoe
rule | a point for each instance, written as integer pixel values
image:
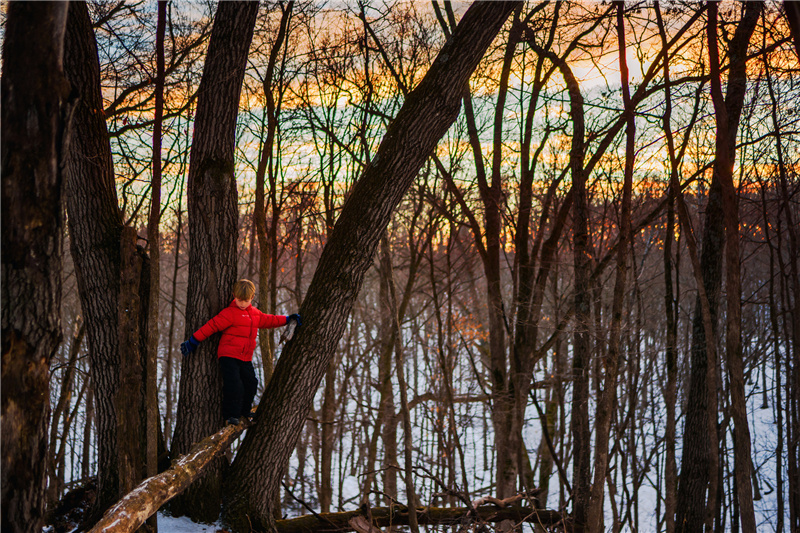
(249, 416)
(233, 421)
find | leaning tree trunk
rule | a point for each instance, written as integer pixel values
(213, 228)
(34, 91)
(426, 115)
(95, 225)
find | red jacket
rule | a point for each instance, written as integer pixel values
(239, 328)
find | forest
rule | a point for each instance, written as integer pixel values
(546, 254)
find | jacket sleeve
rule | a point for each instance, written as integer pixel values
(218, 323)
(270, 321)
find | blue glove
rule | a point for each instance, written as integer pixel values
(189, 346)
(296, 318)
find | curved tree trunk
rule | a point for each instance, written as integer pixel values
(34, 90)
(95, 225)
(213, 229)
(426, 115)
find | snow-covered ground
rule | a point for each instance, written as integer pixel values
(169, 524)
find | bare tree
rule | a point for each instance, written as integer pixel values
(213, 231)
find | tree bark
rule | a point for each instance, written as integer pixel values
(213, 230)
(426, 115)
(792, 10)
(129, 430)
(411, 493)
(34, 126)
(95, 226)
(579, 423)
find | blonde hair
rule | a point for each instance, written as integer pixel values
(244, 289)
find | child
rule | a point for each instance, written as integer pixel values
(239, 324)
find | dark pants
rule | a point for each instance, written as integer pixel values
(239, 385)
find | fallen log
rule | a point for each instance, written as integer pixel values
(384, 517)
(146, 499)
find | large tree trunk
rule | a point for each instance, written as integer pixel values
(213, 229)
(95, 225)
(426, 115)
(34, 91)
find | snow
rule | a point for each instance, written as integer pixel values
(170, 524)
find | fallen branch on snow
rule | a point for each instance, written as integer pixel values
(384, 517)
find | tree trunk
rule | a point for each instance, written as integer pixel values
(699, 463)
(154, 249)
(608, 397)
(55, 461)
(387, 411)
(487, 242)
(86, 445)
(169, 373)
(670, 305)
(129, 393)
(426, 115)
(95, 225)
(34, 126)
(213, 230)
(411, 493)
(266, 239)
(792, 10)
(327, 444)
(723, 167)
(579, 424)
